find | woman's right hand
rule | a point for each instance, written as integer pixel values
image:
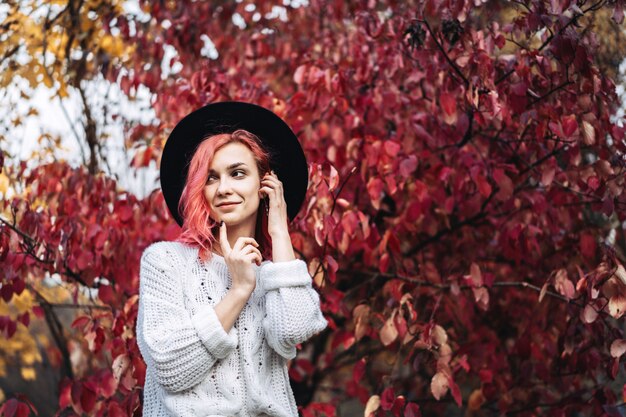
(239, 260)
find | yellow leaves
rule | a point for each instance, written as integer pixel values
(23, 302)
(55, 49)
(22, 345)
(30, 358)
(114, 46)
(47, 81)
(28, 373)
(4, 183)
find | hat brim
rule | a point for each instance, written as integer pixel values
(287, 157)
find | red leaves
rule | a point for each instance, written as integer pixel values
(106, 294)
(142, 158)
(124, 211)
(319, 410)
(375, 187)
(15, 408)
(6, 292)
(8, 326)
(565, 128)
(481, 181)
(65, 396)
(392, 148)
(87, 396)
(389, 402)
(417, 205)
(383, 266)
(355, 387)
(115, 410)
(4, 244)
(505, 184)
(588, 246)
(407, 166)
(448, 105)
(300, 369)
(80, 321)
(107, 384)
(24, 318)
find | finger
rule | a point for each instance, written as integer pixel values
(239, 244)
(272, 180)
(254, 257)
(224, 239)
(272, 186)
(268, 191)
(273, 194)
(250, 249)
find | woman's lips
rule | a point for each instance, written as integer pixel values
(228, 205)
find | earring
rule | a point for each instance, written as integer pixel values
(267, 208)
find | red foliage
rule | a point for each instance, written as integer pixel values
(465, 175)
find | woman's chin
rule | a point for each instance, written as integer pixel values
(230, 220)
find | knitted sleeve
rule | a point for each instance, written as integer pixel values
(180, 348)
(292, 306)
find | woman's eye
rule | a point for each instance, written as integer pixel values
(238, 171)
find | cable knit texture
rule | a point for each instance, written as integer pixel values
(196, 368)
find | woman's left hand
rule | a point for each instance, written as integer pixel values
(271, 187)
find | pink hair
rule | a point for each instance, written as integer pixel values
(199, 229)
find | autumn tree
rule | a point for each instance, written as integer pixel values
(464, 222)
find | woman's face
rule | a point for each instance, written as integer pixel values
(233, 179)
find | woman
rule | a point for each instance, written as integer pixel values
(222, 308)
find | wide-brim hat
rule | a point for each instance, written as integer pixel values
(287, 157)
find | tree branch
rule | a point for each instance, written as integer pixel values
(56, 329)
(440, 47)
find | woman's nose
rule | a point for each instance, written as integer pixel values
(224, 186)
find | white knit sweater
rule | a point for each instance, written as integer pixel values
(195, 368)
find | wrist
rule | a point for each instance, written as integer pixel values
(279, 234)
(242, 291)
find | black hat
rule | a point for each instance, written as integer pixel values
(287, 157)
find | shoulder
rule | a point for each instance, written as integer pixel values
(158, 248)
(170, 252)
